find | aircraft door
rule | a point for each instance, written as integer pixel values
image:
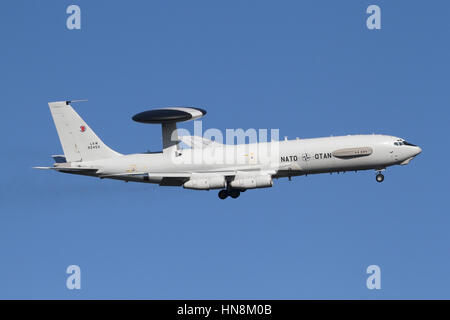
(393, 151)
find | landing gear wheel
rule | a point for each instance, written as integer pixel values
(223, 194)
(234, 193)
(379, 177)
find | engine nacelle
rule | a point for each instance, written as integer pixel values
(252, 182)
(206, 183)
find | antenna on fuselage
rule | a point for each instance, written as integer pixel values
(168, 118)
(71, 101)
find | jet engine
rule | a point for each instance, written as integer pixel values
(206, 183)
(252, 182)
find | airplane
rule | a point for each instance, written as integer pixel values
(85, 154)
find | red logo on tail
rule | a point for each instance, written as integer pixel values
(82, 128)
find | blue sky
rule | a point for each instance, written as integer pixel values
(309, 68)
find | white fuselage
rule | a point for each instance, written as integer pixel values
(290, 158)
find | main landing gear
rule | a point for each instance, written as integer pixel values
(379, 177)
(234, 193)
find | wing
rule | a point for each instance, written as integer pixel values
(183, 176)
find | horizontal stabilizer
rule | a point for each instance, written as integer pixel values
(69, 169)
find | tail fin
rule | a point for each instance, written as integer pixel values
(78, 141)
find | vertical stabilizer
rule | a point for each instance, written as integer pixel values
(78, 141)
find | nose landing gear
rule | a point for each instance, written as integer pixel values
(379, 177)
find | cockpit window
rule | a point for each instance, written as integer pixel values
(409, 144)
(403, 143)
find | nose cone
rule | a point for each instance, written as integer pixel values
(417, 150)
